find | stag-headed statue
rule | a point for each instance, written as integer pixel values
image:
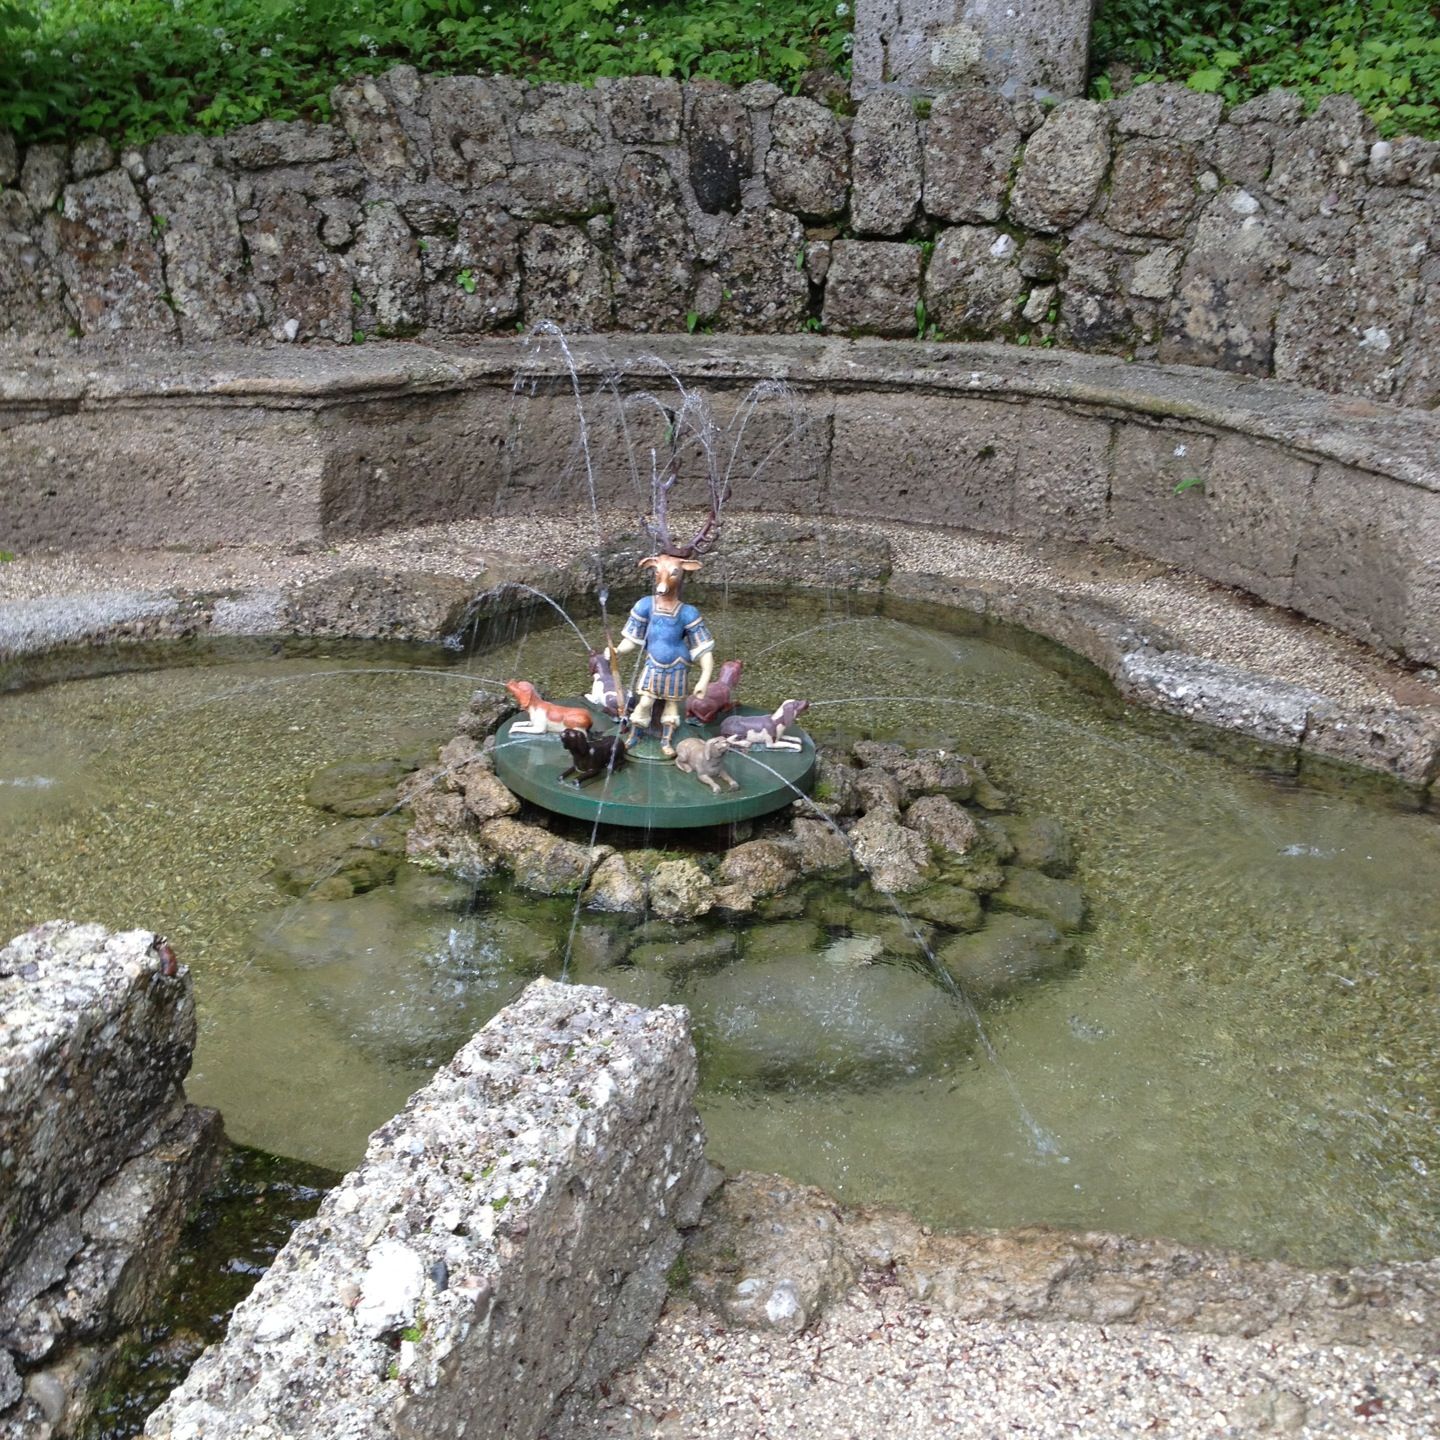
(672, 633)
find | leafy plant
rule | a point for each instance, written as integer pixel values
(466, 281)
(1386, 53)
(134, 68)
(1191, 482)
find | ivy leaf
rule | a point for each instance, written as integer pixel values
(1207, 82)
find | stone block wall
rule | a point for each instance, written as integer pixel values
(101, 1159)
(1156, 226)
(505, 1240)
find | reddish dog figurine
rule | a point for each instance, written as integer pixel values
(545, 718)
(719, 694)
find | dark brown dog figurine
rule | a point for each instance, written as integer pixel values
(592, 755)
(719, 694)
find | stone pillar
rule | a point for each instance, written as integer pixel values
(1018, 47)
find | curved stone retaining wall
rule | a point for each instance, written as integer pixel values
(1329, 507)
(1153, 226)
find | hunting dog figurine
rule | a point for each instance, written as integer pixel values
(592, 755)
(719, 695)
(605, 691)
(767, 731)
(705, 760)
(545, 718)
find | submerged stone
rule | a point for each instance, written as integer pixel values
(355, 787)
(1040, 843)
(781, 940)
(951, 906)
(683, 951)
(348, 858)
(803, 1020)
(1008, 953)
(1031, 893)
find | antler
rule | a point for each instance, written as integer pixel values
(657, 524)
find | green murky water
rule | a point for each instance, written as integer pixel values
(1246, 1055)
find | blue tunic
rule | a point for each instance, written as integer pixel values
(671, 643)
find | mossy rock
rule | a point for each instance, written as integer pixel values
(1029, 892)
(950, 906)
(904, 937)
(1010, 952)
(980, 872)
(1041, 843)
(684, 950)
(433, 890)
(803, 1021)
(356, 787)
(781, 940)
(348, 858)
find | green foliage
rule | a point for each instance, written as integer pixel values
(132, 69)
(1191, 482)
(1385, 53)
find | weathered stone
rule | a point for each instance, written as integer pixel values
(897, 859)
(538, 860)
(385, 272)
(206, 266)
(818, 848)
(1010, 952)
(718, 136)
(1041, 49)
(808, 164)
(943, 823)
(91, 156)
(563, 115)
(926, 771)
(1371, 569)
(954, 463)
(973, 285)
(1099, 308)
(615, 887)
(1274, 107)
(767, 1254)
(563, 1152)
(1040, 258)
(486, 796)
(565, 279)
(9, 167)
(43, 176)
(282, 142)
(1230, 290)
(970, 147)
(1057, 902)
(654, 269)
(1168, 112)
(764, 289)
(304, 289)
(1153, 274)
(371, 118)
(475, 280)
(1317, 162)
(643, 109)
(1064, 163)
(1346, 327)
(1242, 155)
(885, 160)
(760, 95)
(103, 246)
(873, 287)
(1068, 498)
(1152, 188)
(556, 190)
(680, 890)
(31, 293)
(761, 867)
(470, 139)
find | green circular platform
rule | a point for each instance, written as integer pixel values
(648, 792)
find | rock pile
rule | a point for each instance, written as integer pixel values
(101, 1159)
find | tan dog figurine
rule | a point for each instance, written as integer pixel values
(705, 760)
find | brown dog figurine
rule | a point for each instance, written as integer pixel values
(592, 755)
(719, 694)
(545, 718)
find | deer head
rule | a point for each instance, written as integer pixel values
(670, 572)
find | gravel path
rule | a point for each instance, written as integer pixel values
(880, 1364)
(1209, 620)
